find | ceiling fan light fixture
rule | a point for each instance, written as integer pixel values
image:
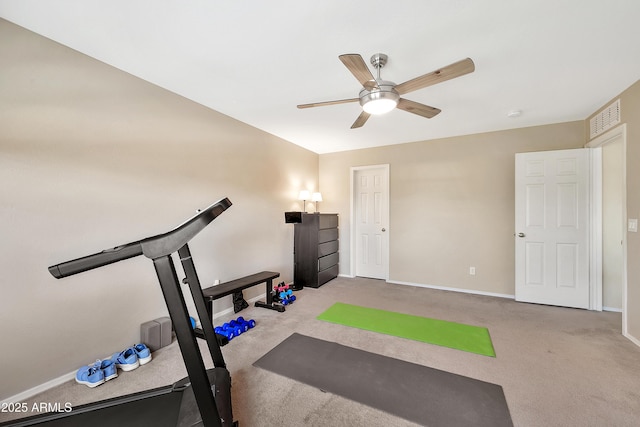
(379, 101)
(380, 106)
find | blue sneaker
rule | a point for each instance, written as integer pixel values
(91, 375)
(109, 369)
(143, 353)
(127, 360)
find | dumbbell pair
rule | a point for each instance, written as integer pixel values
(235, 327)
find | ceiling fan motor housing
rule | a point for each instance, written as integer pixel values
(383, 94)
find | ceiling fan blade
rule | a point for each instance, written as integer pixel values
(449, 72)
(322, 104)
(359, 69)
(417, 108)
(361, 120)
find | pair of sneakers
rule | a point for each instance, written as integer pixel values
(104, 370)
(98, 373)
(132, 357)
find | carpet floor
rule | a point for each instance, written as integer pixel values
(557, 366)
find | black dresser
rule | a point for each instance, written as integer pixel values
(315, 250)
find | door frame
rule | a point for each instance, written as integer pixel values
(619, 132)
(352, 208)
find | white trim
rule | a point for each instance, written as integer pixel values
(352, 208)
(597, 144)
(595, 237)
(446, 288)
(348, 276)
(633, 339)
(20, 397)
(613, 309)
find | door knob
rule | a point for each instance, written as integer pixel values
(520, 234)
(384, 229)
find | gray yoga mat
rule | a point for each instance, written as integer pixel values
(417, 393)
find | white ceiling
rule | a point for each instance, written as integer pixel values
(556, 60)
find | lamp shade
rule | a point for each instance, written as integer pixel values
(316, 197)
(304, 195)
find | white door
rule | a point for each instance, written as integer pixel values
(552, 227)
(370, 199)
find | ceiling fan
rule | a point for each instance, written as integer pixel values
(381, 96)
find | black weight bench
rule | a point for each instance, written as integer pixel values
(237, 285)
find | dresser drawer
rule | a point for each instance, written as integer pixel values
(327, 248)
(327, 235)
(328, 221)
(327, 261)
(328, 274)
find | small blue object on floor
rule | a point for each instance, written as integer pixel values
(90, 375)
(109, 369)
(235, 327)
(143, 353)
(132, 357)
(126, 360)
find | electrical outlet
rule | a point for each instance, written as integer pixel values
(633, 225)
(472, 271)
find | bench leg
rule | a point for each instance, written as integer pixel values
(270, 304)
(269, 291)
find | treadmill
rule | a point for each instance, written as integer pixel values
(201, 399)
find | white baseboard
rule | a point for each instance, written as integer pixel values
(446, 288)
(348, 276)
(633, 339)
(614, 309)
(20, 397)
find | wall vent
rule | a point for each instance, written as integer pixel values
(605, 119)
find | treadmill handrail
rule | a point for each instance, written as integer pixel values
(168, 243)
(152, 247)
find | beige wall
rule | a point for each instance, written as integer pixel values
(451, 204)
(630, 114)
(91, 157)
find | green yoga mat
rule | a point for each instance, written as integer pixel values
(473, 339)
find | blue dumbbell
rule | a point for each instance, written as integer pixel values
(248, 323)
(236, 324)
(233, 328)
(228, 333)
